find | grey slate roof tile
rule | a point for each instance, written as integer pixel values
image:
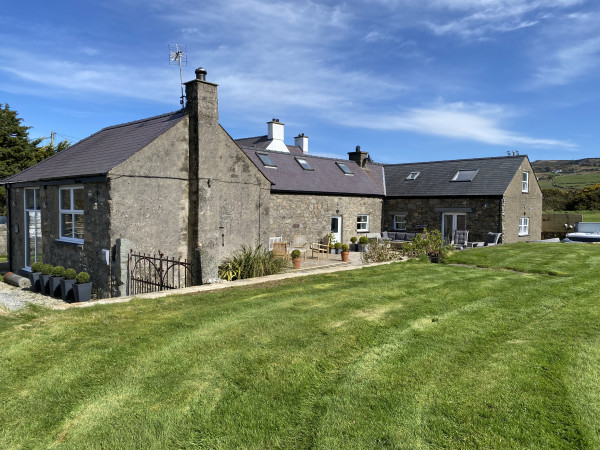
(493, 177)
(326, 177)
(100, 152)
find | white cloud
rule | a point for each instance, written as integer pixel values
(569, 51)
(473, 122)
(479, 19)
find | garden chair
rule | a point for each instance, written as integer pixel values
(320, 248)
(300, 243)
(492, 239)
(280, 249)
(460, 239)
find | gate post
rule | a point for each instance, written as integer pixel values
(121, 267)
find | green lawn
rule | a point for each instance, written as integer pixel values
(408, 355)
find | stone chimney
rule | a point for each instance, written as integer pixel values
(202, 99)
(275, 135)
(302, 142)
(359, 157)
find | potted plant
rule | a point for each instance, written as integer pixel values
(34, 276)
(331, 242)
(66, 285)
(45, 278)
(362, 244)
(82, 290)
(296, 258)
(337, 246)
(58, 273)
(353, 239)
(345, 253)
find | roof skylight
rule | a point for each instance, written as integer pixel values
(413, 175)
(304, 164)
(464, 175)
(344, 168)
(266, 160)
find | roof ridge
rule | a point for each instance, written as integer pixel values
(456, 160)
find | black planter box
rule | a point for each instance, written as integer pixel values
(55, 286)
(82, 292)
(45, 284)
(36, 282)
(66, 289)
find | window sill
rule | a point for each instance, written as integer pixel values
(77, 242)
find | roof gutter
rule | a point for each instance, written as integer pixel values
(99, 178)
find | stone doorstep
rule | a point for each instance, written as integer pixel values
(227, 284)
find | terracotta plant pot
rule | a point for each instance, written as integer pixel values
(345, 256)
(296, 262)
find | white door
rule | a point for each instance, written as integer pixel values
(336, 228)
(452, 222)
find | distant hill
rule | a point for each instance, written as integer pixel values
(567, 173)
(566, 165)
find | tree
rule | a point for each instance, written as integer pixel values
(17, 151)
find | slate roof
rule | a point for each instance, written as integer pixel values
(325, 178)
(100, 152)
(493, 177)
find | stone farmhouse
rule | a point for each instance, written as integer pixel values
(179, 184)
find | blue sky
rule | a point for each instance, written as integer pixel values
(407, 80)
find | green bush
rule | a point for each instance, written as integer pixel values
(429, 243)
(296, 253)
(345, 248)
(58, 271)
(337, 245)
(70, 274)
(249, 263)
(363, 240)
(83, 277)
(37, 266)
(46, 269)
(353, 239)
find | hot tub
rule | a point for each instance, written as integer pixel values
(584, 232)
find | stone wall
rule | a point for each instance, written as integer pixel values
(81, 257)
(309, 216)
(522, 204)
(482, 213)
(230, 197)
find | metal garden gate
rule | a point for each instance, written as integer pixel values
(151, 273)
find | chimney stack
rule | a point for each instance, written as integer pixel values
(202, 99)
(359, 157)
(302, 142)
(275, 135)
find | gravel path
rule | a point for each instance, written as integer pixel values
(12, 298)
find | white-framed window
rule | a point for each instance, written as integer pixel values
(70, 201)
(525, 186)
(33, 229)
(400, 222)
(523, 226)
(362, 222)
(412, 176)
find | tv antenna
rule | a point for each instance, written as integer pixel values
(178, 55)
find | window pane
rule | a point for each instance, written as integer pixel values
(66, 223)
(65, 199)
(464, 175)
(344, 168)
(461, 222)
(29, 199)
(266, 159)
(79, 226)
(78, 199)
